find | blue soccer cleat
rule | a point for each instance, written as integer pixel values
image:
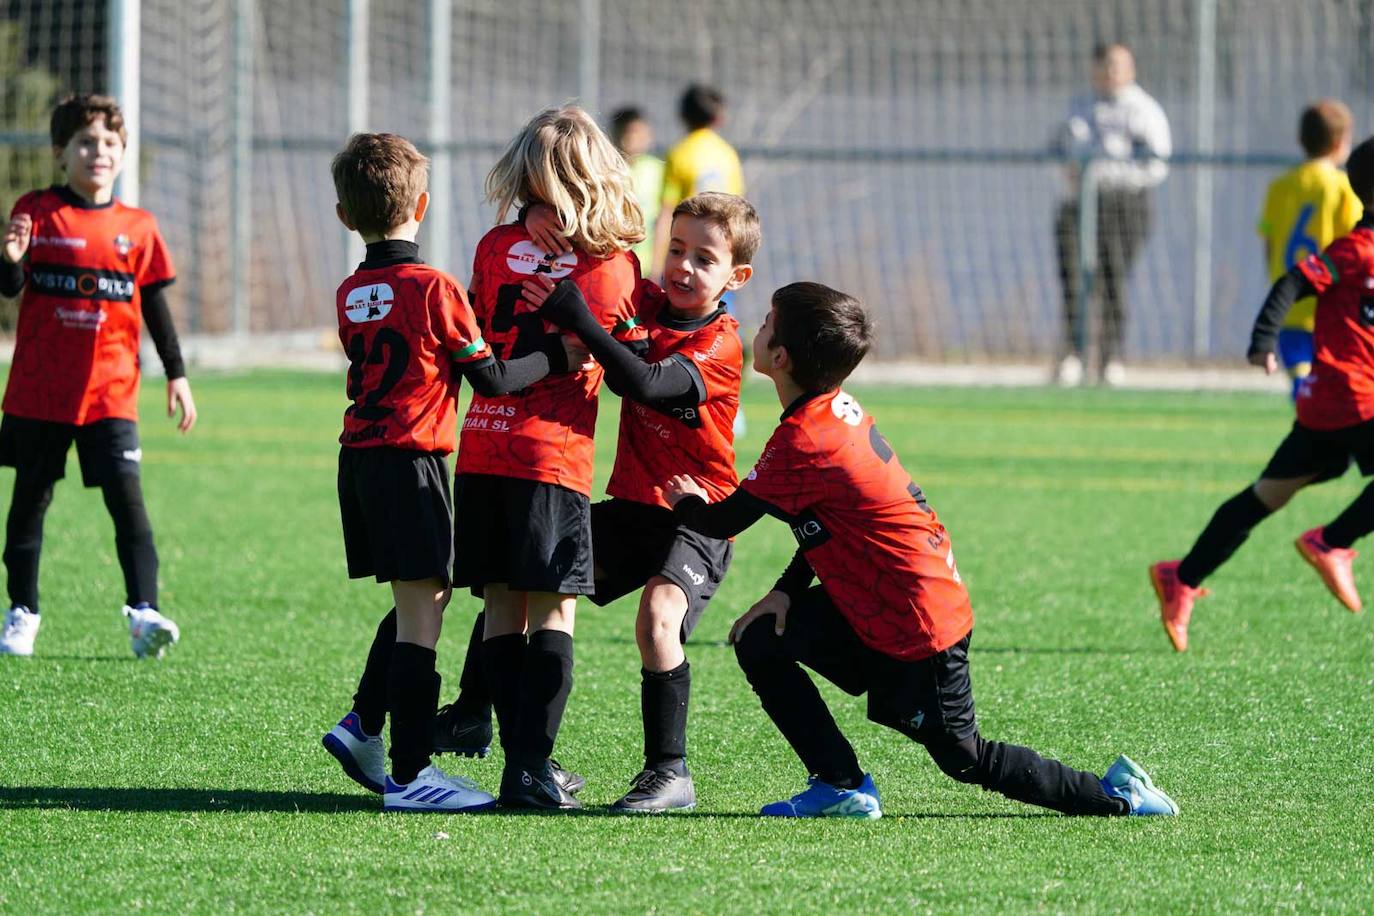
(363, 757)
(821, 799)
(1127, 781)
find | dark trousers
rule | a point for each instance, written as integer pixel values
(930, 701)
(1123, 222)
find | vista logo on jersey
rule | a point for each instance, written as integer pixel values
(369, 303)
(525, 257)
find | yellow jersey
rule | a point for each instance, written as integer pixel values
(1307, 208)
(701, 161)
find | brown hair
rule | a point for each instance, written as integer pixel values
(826, 333)
(1322, 127)
(378, 179)
(76, 111)
(735, 216)
(1360, 170)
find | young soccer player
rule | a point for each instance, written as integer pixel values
(410, 336)
(91, 270)
(890, 617)
(1335, 421)
(525, 460)
(1307, 208)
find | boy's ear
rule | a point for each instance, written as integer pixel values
(343, 218)
(57, 152)
(421, 206)
(739, 275)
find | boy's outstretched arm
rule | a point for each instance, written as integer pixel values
(493, 377)
(1289, 288)
(724, 519)
(673, 380)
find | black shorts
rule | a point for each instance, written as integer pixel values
(528, 535)
(37, 449)
(930, 699)
(397, 518)
(634, 542)
(1323, 452)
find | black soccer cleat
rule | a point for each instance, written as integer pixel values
(461, 732)
(571, 782)
(534, 788)
(656, 792)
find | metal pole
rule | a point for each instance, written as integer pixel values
(589, 56)
(241, 170)
(1205, 131)
(355, 59)
(440, 219)
(122, 37)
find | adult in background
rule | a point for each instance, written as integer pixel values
(1124, 135)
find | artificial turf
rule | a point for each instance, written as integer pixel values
(199, 784)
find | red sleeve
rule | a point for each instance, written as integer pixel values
(26, 204)
(1339, 261)
(612, 293)
(785, 473)
(455, 324)
(155, 261)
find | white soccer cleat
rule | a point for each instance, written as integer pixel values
(1114, 374)
(21, 628)
(1069, 372)
(149, 632)
(362, 756)
(435, 790)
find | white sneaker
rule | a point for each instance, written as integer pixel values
(1069, 372)
(362, 756)
(21, 628)
(435, 790)
(149, 632)
(1114, 374)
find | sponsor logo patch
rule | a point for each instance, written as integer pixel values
(369, 303)
(82, 283)
(525, 257)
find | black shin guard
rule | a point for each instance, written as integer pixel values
(413, 698)
(369, 702)
(663, 699)
(133, 538)
(1354, 523)
(544, 689)
(503, 665)
(24, 539)
(1228, 529)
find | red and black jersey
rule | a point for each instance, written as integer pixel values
(694, 436)
(877, 547)
(407, 328)
(1339, 391)
(543, 432)
(76, 347)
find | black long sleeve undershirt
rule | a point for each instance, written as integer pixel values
(1289, 288)
(494, 377)
(672, 380)
(724, 519)
(11, 278)
(797, 578)
(157, 315)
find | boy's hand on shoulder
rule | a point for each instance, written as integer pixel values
(560, 304)
(775, 603)
(17, 237)
(679, 487)
(1266, 361)
(179, 393)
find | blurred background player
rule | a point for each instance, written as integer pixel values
(524, 540)
(1125, 134)
(634, 137)
(891, 617)
(410, 337)
(1306, 209)
(1335, 423)
(91, 270)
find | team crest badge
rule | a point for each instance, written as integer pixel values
(122, 245)
(525, 257)
(369, 303)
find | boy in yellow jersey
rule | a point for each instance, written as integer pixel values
(1307, 208)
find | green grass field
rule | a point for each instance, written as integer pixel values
(199, 784)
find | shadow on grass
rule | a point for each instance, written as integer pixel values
(1053, 650)
(119, 659)
(121, 798)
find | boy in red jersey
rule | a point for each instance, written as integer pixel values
(890, 617)
(525, 460)
(90, 269)
(410, 337)
(1335, 420)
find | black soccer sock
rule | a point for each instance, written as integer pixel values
(1354, 523)
(413, 698)
(663, 699)
(473, 695)
(24, 539)
(133, 538)
(1021, 774)
(544, 689)
(503, 665)
(1224, 534)
(370, 700)
(791, 700)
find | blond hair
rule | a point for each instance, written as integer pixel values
(379, 179)
(561, 158)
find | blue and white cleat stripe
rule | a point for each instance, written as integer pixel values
(362, 757)
(1126, 780)
(435, 790)
(821, 799)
